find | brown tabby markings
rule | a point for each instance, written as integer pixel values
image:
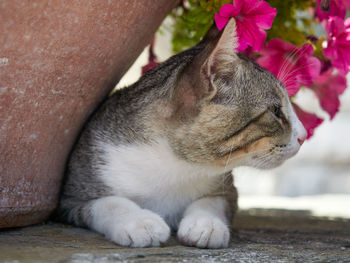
(159, 154)
(229, 158)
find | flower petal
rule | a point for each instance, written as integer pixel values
(228, 10)
(279, 43)
(347, 22)
(314, 67)
(346, 3)
(333, 26)
(336, 8)
(293, 66)
(309, 120)
(150, 65)
(221, 21)
(252, 18)
(250, 35)
(328, 87)
(260, 11)
(338, 43)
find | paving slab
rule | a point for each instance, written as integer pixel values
(258, 235)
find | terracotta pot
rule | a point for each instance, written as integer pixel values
(58, 60)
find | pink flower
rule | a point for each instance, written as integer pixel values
(150, 65)
(328, 87)
(152, 59)
(309, 120)
(338, 43)
(252, 17)
(336, 8)
(293, 66)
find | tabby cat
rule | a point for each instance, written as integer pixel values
(157, 156)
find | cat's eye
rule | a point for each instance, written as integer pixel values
(276, 110)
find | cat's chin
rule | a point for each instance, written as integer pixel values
(273, 162)
(262, 166)
(270, 165)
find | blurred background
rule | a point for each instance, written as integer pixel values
(317, 179)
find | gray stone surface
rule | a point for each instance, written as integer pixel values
(258, 236)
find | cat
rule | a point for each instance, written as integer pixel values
(157, 156)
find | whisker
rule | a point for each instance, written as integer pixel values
(244, 156)
(228, 158)
(301, 67)
(305, 65)
(284, 66)
(294, 53)
(287, 67)
(292, 70)
(225, 169)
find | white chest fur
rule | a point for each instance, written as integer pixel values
(154, 178)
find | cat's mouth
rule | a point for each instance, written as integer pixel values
(259, 154)
(281, 153)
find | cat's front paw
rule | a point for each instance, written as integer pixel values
(204, 232)
(146, 229)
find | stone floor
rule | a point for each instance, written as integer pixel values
(258, 236)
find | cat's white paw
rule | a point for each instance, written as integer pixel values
(204, 232)
(144, 229)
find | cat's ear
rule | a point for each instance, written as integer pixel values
(219, 55)
(196, 82)
(224, 52)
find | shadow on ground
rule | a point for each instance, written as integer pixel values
(258, 236)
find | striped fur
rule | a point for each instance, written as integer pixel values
(157, 156)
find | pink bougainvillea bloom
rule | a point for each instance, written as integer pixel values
(336, 8)
(328, 86)
(293, 66)
(252, 17)
(309, 120)
(338, 43)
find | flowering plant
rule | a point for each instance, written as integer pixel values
(306, 45)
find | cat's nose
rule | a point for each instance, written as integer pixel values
(301, 132)
(301, 140)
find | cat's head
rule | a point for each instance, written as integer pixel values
(228, 111)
